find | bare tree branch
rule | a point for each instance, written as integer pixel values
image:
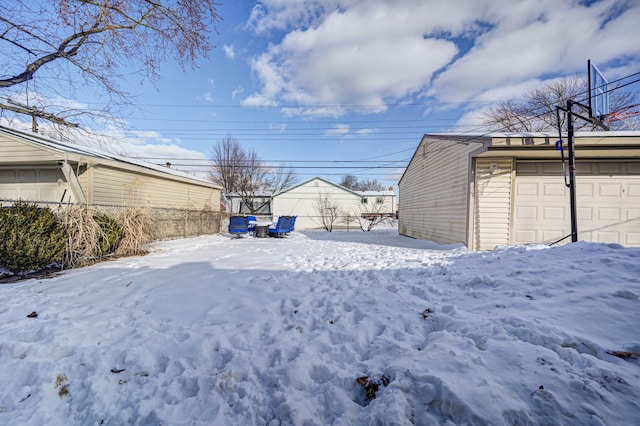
(242, 172)
(97, 37)
(536, 112)
(327, 211)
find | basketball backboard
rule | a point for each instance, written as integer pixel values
(598, 92)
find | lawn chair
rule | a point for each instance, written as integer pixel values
(238, 225)
(281, 228)
(252, 223)
(293, 224)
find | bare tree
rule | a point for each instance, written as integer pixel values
(241, 171)
(350, 182)
(369, 214)
(64, 41)
(327, 211)
(227, 155)
(536, 112)
(353, 183)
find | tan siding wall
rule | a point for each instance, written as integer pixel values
(43, 184)
(492, 212)
(434, 192)
(178, 209)
(121, 187)
(15, 151)
(300, 201)
(83, 174)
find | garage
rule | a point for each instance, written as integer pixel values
(46, 184)
(491, 190)
(607, 202)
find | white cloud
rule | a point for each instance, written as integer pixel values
(207, 96)
(338, 129)
(237, 92)
(531, 40)
(229, 52)
(362, 55)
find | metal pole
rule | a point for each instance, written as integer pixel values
(572, 172)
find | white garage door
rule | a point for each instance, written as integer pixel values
(41, 184)
(608, 203)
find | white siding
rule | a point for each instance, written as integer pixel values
(608, 203)
(43, 184)
(301, 200)
(492, 210)
(15, 152)
(434, 192)
(380, 203)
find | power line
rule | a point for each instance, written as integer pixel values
(274, 161)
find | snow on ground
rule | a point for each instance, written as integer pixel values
(220, 331)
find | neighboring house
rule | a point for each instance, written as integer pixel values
(261, 204)
(489, 190)
(379, 202)
(39, 169)
(301, 200)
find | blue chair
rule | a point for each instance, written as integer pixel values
(252, 226)
(281, 228)
(238, 225)
(293, 224)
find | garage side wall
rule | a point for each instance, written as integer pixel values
(15, 151)
(178, 209)
(492, 202)
(126, 188)
(434, 192)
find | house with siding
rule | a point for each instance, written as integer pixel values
(490, 190)
(301, 201)
(46, 171)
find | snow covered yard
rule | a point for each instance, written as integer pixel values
(220, 331)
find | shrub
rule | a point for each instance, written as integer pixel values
(30, 238)
(112, 232)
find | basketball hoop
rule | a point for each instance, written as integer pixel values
(627, 115)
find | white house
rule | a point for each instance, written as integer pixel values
(489, 190)
(302, 201)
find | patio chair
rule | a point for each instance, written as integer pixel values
(281, 228)
(238, 225)
(293, 224)
(252, 223)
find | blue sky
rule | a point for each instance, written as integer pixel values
(356, 83)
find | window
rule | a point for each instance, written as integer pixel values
(379, 200)
(364, 200)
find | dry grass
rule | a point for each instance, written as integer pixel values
(86, 235)
(138, 231)
(83, 246)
